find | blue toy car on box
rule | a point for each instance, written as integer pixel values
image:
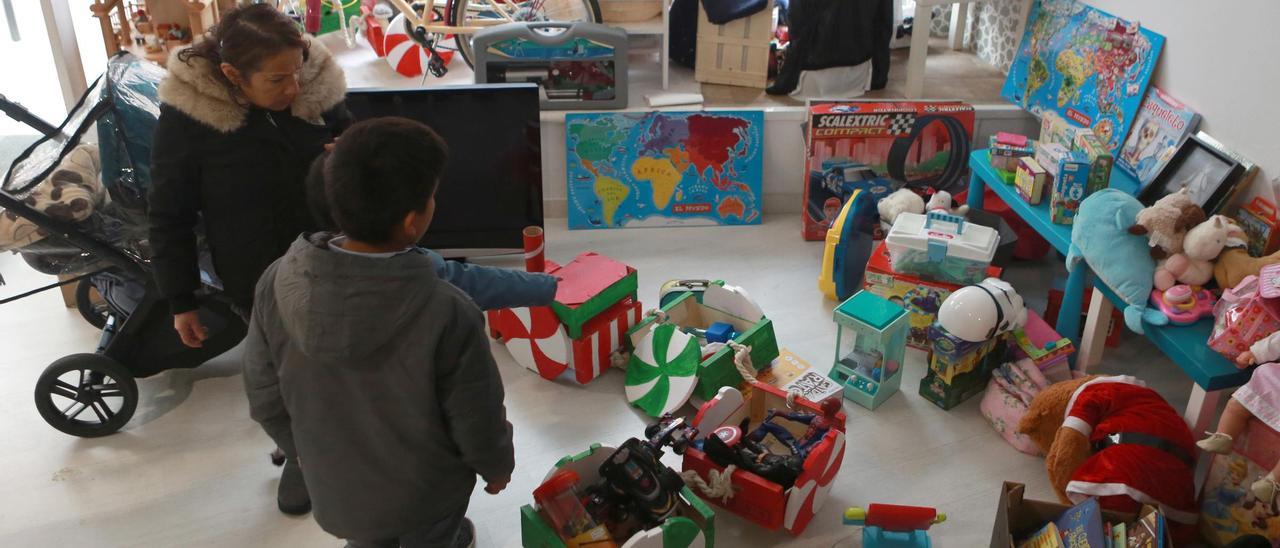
(830, 186)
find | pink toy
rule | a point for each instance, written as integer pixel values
(1011, 139)
(1182, 304)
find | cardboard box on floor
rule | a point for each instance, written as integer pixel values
(1018, 518)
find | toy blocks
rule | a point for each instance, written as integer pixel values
(1070, 187)
(1100, 161)
(692, 524)
(717, 305)
(871, 347)
(755, 498)
(1005, 154)
(595, 306)
(959, 369)
(1030, 180)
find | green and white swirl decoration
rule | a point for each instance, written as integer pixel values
(663, 370)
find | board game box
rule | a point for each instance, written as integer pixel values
(1162, 124)
(876, 147)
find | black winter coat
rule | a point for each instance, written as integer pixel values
(240, 172)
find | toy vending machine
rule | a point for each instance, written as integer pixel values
(877, 147)
(578, 335)
(870, 348)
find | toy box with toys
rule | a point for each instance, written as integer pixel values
(579, 333)
(921, 297)
(1228, 508)
(875, 146)
(619, 497)
(661, 376)
(781, 459)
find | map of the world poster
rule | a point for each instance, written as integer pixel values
(1088, 66)
(664, 168)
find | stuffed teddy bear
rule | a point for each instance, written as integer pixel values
(901, 201)
(1235, 264)
(941, 201)
(1167, 221)
(1113, 438)
(1194, 265)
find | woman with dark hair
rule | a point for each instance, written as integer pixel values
(243, 114)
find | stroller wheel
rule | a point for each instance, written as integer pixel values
(93, 312)
(86, 395)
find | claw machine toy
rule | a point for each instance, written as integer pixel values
(870, 348)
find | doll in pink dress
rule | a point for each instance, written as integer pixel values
(1260, 399)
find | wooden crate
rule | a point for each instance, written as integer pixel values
(735, 53)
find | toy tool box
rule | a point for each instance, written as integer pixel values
(920, 297)
(691, 526)
(576, 65)
(1228, 509)
(576, 336)
(942, 247)
(876, 147)
(756, 498)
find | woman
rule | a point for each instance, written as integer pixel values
(243, 114)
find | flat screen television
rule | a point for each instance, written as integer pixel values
(492, 186)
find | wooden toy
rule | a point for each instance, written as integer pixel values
(959, 369)
(894, 526)
(1047, 349)
(919, 296)
(941, 247)
(1069, 188)
(691, 525)
(871, 347)
(753, 497)
(662, 370)
(718, 305)
(1100, 161)
(1030, 180)
(1259, 220)
(594, 308)
(791, 373)
(848, 246)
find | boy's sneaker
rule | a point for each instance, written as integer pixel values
(466, 535)
(292, 496)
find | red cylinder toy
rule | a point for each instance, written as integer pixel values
(533, 249)
(892, 517)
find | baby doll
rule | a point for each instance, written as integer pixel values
(1260, 399)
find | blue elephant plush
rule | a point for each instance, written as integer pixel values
(1100, 236)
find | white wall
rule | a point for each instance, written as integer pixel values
(1220, 58)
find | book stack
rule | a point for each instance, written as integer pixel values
(1083, 526)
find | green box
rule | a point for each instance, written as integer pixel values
(935, 388)
(591, 271)
(718, 370)
(695, 519)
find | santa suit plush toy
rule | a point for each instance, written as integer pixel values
(1115, 439)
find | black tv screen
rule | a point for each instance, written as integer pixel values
(492, 186)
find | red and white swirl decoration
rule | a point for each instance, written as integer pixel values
(403, 54)
(812, 487)
(535, 337)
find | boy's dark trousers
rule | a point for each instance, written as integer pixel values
(441, 534)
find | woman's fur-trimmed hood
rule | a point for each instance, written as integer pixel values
(193, 89)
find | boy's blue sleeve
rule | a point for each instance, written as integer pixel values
(492, 287)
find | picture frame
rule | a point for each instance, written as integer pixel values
(1203, 166)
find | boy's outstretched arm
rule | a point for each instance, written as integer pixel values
(262, 385)
(470, 392)
(492, 287)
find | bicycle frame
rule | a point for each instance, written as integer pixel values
(437, 28)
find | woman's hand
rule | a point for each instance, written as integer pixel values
(189, 328)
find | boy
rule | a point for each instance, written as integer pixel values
(368, 367)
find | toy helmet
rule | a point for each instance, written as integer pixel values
(976, 313)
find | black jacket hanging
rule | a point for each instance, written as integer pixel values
(837, 33)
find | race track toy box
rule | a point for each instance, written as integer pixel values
(919, 296)
(875, 146)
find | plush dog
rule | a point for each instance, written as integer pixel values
(1167, 221)
(1151, 462)
(1203, 244)
(901, 201)
(1235, 264)
(941, 201)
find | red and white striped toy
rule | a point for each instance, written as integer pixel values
(403, 54)
(602, 336)
(538, 341)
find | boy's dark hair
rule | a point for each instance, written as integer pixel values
(379, 171)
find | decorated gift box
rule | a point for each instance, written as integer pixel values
(785, 458)
(602, 494)
(920, 297)
(578, 334)
(673, 360)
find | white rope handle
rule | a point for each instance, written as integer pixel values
(742, 361)
(659, 314)
(717, 485)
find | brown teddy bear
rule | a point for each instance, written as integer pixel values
(1235, 264)
(1113, 438)
(1167, 221)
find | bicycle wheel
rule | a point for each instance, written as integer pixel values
(461, 12)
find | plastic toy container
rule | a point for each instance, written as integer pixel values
(559, 500)
(871, 347)
(941, 247)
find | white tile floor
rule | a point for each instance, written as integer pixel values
(191, 469)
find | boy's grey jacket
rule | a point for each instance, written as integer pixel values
(377, 375)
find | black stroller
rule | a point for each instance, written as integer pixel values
(78, 210)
